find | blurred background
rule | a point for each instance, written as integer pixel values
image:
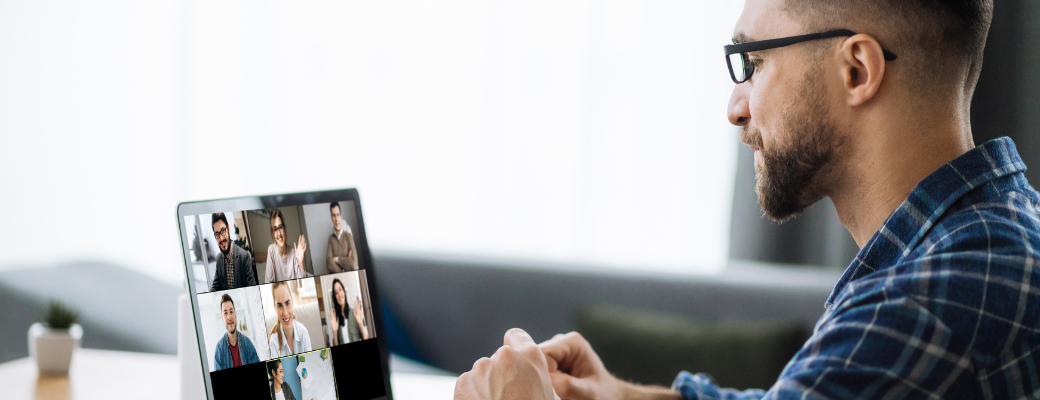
(544, 164)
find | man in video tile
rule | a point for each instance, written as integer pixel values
(235, 268)
(233, 350)
(279, 389)
(341, 256)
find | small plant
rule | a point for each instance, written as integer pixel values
(59, 315)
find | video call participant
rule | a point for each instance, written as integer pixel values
(341, 256)
(284, 262)
(233, 350)
(279, 389)
(288, 336)
(235, 268)
(342, 314)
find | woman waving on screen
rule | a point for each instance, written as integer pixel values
(284, 262)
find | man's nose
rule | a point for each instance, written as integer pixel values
(738, 111)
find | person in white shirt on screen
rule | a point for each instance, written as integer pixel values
(279, 389)
(284, 262)
(288, 336)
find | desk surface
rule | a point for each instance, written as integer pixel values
(104, 374)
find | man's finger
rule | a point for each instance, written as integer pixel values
(518, 339)
(562, 350)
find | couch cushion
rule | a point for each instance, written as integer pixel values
(652, 348)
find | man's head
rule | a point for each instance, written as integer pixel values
(221, 231)
(810, 108)
(337, 217)
(227, 311)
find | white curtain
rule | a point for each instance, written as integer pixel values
(586, 132)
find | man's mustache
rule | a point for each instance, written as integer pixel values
(750, 137)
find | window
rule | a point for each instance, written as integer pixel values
(582, 132)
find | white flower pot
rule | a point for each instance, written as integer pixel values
(52, 348)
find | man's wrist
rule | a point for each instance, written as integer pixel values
(632, 391)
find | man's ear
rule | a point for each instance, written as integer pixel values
(863, 68)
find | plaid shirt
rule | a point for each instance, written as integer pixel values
(943, 301)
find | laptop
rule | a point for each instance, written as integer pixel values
(284, 297)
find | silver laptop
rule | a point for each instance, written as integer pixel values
(284, 297)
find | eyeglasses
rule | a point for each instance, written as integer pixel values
(221, 234)
(279, 227)
(736, 54)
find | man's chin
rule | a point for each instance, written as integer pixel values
(778, 205)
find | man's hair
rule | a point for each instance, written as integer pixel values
(225, 298)
(219, 216)
(334, 205)
(939, 41)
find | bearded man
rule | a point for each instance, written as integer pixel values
(235, 265)
(866, 102)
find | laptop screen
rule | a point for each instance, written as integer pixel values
(283, 297)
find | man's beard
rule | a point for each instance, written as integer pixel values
(228, 250)
(790, 179)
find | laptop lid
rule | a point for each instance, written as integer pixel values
(284, 297)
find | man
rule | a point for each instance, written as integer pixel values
(235, 267)
(941, 301)
(341, 256)
(233, 350)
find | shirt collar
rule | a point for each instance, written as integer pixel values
(927, 203)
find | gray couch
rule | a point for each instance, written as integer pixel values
(451, 310)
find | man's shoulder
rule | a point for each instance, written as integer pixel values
(994, 226)
(239, 251)
(975, 271)
(245, 341)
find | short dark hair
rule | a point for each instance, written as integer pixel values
(939, 41)
(219, 216)
(334, 205)
(225, 298)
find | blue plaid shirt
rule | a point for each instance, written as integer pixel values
(943, 301)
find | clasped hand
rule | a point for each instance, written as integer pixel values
(562, 367)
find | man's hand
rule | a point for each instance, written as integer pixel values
(577, 373)
(516, 371)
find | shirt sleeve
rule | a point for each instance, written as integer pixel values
(870, 345)
(248, 267)
(329, 256)
(269, 271)
(218, 277)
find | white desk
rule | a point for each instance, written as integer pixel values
(104, 374)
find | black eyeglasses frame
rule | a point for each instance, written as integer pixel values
(767, 44)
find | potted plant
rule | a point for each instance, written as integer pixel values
(52, 341)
